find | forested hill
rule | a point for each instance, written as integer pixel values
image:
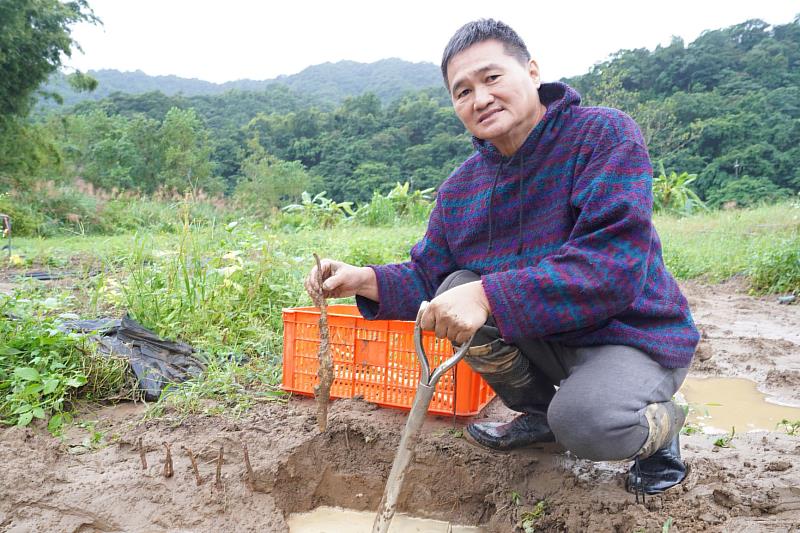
(327, 82)
(725, 108)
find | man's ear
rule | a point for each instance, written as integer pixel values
(533, 71)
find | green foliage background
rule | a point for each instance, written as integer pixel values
(724, 109)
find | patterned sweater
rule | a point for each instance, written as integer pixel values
(561, 234)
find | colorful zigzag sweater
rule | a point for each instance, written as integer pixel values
(561, 234)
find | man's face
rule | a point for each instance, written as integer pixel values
(494, 95)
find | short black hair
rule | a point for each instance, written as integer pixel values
(482, 30)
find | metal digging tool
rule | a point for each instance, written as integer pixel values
(422, 399)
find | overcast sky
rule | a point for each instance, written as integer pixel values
(235, 39)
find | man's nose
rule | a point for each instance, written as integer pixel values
(483, 97)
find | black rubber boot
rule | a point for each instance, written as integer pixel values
(658, 465)
(659, 472)
(524, 430)
(519, 386)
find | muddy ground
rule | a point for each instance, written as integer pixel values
(50, 485)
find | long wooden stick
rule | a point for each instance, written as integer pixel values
(322, 391)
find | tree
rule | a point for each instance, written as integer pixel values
(34, 36)
(187, 153)
(270, 182)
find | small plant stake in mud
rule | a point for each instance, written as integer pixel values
(251, 479)
(197, 478)
(142, 454)
(322, 391)
(168, 470)
(218, 478)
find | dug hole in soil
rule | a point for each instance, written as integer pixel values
(50, 485)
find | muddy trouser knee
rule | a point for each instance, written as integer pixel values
(503, 366)
(614, 402)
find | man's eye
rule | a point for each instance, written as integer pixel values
(463, 93)
(493, 77)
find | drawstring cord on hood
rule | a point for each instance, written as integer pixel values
(491, 201)
(519, 202)
(519, 206)
(557, 97)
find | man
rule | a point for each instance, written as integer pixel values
(542, 245)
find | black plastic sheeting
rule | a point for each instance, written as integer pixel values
(156, 362)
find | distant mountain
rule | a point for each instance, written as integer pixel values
(331, 82)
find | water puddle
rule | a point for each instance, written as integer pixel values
(338, 520)
(718, 404)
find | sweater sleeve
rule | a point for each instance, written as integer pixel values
(601, 268)
(402, 287)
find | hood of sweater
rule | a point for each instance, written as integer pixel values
(556, 97)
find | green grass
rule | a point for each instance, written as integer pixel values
(761, 244)
(221, 288)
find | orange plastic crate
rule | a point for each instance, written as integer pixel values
(375, 359)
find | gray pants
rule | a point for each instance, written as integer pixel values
(598, 410)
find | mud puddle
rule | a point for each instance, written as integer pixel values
(338, 520)
(719, 404)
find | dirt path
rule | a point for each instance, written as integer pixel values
(46, 485)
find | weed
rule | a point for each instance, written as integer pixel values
(321, 211)
(690, 429)
(791, 427)
(516, 499)
(42, 369)
(667, 525)
(725, 440)
(95, 438)
(776, 269)
(456, 433)
(529, 519)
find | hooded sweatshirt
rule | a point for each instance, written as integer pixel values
(561, 234)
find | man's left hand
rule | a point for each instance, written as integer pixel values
(457, 313)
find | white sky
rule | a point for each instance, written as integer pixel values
(234, 39)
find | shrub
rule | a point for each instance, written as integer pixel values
(320, 211)
(672, 194)
(397, 204)
(43, 369)
(777, 269)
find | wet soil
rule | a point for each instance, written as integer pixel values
(83, 486)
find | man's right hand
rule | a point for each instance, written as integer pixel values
(341, 280)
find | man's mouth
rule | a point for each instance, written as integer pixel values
(487, 115)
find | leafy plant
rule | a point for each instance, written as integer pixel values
(671, 193)
(42, 369)
(725, 440)
(529, 518)
(690, 429)
(396, 205)
(321, 211)
(791, 427)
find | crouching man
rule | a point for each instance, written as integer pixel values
(542, 245)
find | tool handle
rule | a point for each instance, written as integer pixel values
(425, 375)
(402, 460)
